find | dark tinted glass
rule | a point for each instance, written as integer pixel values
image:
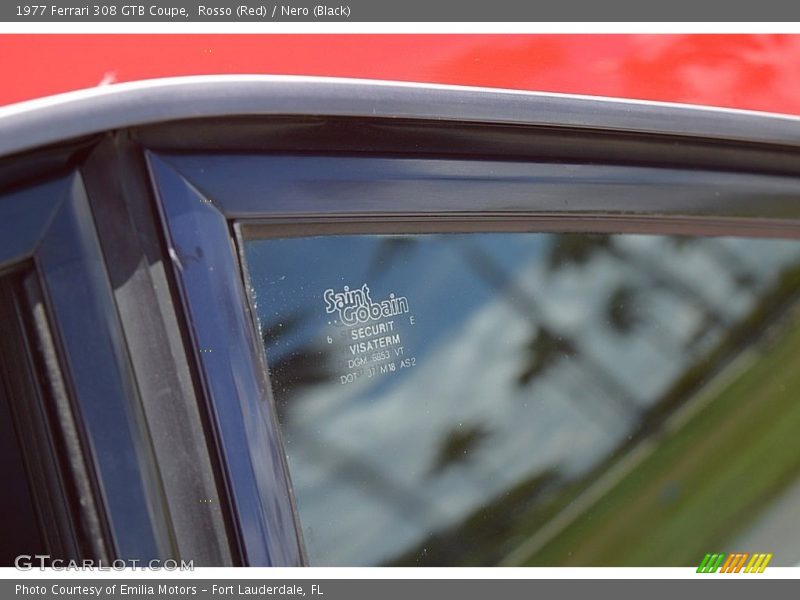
(17, 507)
(575, 399)
(19, 520)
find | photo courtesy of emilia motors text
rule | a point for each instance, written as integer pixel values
(399, 300)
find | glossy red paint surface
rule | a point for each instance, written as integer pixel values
(759, 72)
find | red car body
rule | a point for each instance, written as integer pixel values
(754, 72)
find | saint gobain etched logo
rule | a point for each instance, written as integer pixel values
(356, 306)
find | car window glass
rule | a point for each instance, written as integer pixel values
(535, 398)
(19, 508)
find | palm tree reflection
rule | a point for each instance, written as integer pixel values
(547, 347)
(459, 445)
(580, 249)
(544, 351)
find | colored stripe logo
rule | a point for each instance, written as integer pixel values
(738, 562)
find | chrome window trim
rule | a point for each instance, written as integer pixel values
(62, 117)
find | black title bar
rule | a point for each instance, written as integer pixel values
(464, 11)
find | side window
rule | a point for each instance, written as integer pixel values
(47, 507)
(22, 526)
(534, 398)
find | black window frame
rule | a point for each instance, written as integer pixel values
(210, 264)
(93, 417)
